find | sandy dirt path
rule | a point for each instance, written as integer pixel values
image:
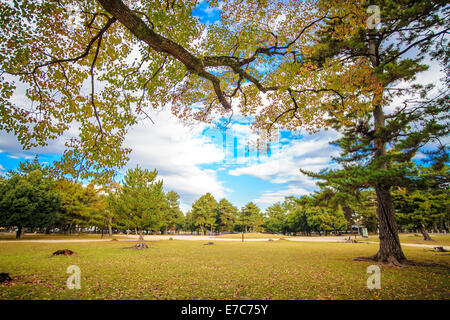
(340, 239)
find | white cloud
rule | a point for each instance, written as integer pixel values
(177, 152)
(271, 197)
(310, 153)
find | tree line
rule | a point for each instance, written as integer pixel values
(33, 197)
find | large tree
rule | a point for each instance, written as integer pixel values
(101, 65)
(378, 146)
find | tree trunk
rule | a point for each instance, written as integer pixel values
(390, 248)
(424, 232)
(19, 232)
(348, 213)
(110, 228)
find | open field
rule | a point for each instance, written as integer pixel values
(438, 240)
(225, 270)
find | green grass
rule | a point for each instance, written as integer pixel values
(225, 270)
(438, 240)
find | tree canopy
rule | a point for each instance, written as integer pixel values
(140, 201)
(27, 199)
(104, 73)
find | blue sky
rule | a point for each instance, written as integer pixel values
(193, 160)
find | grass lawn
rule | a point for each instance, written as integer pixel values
(225, 270)
(438, 240)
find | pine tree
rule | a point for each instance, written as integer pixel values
(377, 148)
(226, 215)
(140, 201)
(204, 212)
(172, 215)
(276, 219)
(426, 203)
(250, 217)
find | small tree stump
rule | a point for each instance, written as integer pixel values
(4, 277)
(64, 252)
(170, 238)
(114, 240)
(209, 244)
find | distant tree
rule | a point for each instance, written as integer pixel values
(100, 215)
(189, 224)
(297, 221)
(417, 209)
(226, 215)
(112, 212)
(251, 216)
(426, 203)
(322, 219)
(204, 212)
(172, 216)
(27, 199)
(276, 219)
(77, 203)
(340, 199)
(140, 201)
(366, 210)
(306, 215)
